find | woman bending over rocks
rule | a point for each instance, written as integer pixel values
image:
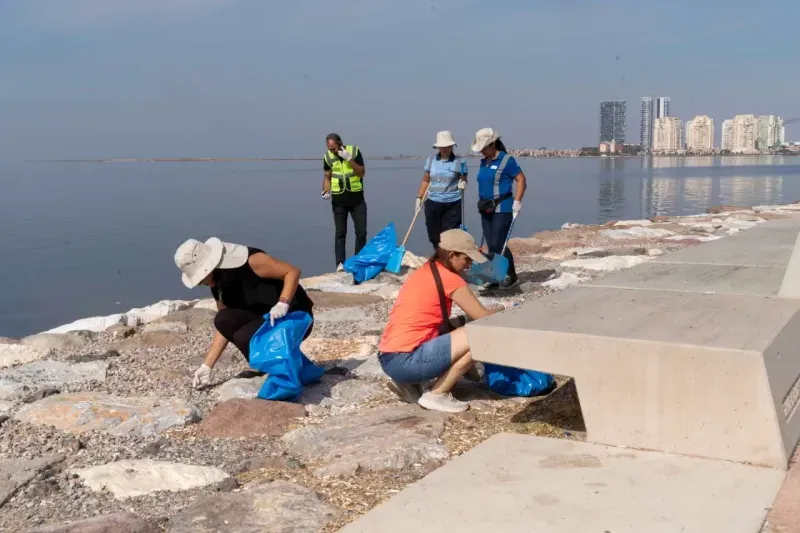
(248, 286)
(420, 342)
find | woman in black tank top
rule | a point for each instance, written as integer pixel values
(249, 287)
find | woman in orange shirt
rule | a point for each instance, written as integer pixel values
(417, 346)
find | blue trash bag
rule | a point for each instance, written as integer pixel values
(374, 257)
(510, 381)
(276, 351)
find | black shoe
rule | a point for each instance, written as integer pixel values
(509, 282)
(491, 286)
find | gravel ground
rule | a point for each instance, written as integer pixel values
(164, 367)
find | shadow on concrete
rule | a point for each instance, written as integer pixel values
(561, 408)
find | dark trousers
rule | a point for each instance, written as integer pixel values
(441, 216)
(359, 215)
(239, 326)
(495, 231)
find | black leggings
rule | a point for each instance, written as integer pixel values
(239, 326)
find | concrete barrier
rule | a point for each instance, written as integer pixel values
(694, 354)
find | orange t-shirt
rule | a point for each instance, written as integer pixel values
(416, 316)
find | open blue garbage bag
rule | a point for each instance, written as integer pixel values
(510, 381)
(374, 257)
(276, 351)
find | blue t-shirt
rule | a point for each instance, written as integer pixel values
(496, 178)
(444, 177)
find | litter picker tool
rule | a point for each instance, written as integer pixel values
(396, 259)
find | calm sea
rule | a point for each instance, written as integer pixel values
(98, 238)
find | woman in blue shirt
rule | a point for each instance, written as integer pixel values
(445, 179)
(498, 202)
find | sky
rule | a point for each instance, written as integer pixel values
(260, 78)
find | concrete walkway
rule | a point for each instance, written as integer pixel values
(519, 484)
(693, 354)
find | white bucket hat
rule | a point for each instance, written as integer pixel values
(483, 138)
(198, 259)
(444, 139)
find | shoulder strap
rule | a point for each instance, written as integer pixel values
(442, 303)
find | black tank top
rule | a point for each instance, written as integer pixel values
(241, 288)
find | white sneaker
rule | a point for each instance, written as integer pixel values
(442, 402)
(340, 268)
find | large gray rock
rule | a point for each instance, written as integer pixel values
(369, 368)
(175, 327)
(337, 391)
(17, 473)
(193, 318)
(128, 479)
(34, 377)
(55, 341)
(87, 411)
(240, 388)
(18, 354)
(108, 523)
(278, 506)
(382, 438)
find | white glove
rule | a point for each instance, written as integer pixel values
(326, 195)
(516, 208)
(462, 185)
(418, 204)
(202, 377)
(344, 154)
(277, 312)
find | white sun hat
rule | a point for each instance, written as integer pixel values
(483, 138)
(198, 259)
(444, 139)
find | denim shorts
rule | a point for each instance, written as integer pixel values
(427, 362)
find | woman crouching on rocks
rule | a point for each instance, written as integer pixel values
(248, 285)
(420, 342)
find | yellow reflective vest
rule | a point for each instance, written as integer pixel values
(343, 177)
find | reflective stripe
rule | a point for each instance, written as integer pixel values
(499, 174)
(343, 177)
(442, 184)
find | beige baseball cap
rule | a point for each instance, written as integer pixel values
(198, 259)
(456, 240)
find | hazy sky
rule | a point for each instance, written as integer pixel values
(132, 78)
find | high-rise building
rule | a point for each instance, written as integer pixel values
(612, 121)
(667, 134)
(769, 132)
(744, 134)
(700, 134)
(646, 127)
(652, 109)
(726, 142)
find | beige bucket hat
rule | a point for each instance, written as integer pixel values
(483, 138)
(456, 240)
(444, 139)
(198, 259)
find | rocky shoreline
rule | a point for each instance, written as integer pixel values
(100, 423)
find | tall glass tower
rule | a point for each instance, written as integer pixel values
(612, 121)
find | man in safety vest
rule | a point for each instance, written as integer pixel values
(343, 167)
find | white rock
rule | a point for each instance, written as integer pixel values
(570, 225)
(54, 341)
(6, 407)
(18, 354)
(655, 252)
(642, 222)
(131, 478)
(32, 377)
(741, 224)
(701, 238)
(243, 388)
(94, 323)
(605, 264)
(733, 231)
(144, 315)
(636, 233)
(207, 303)
(701, 226)
(567, 279)
(340, 282)
(411, 260)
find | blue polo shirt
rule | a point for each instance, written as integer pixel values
(444, 177)
(496, 178)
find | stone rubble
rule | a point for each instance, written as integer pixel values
(110, 402)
